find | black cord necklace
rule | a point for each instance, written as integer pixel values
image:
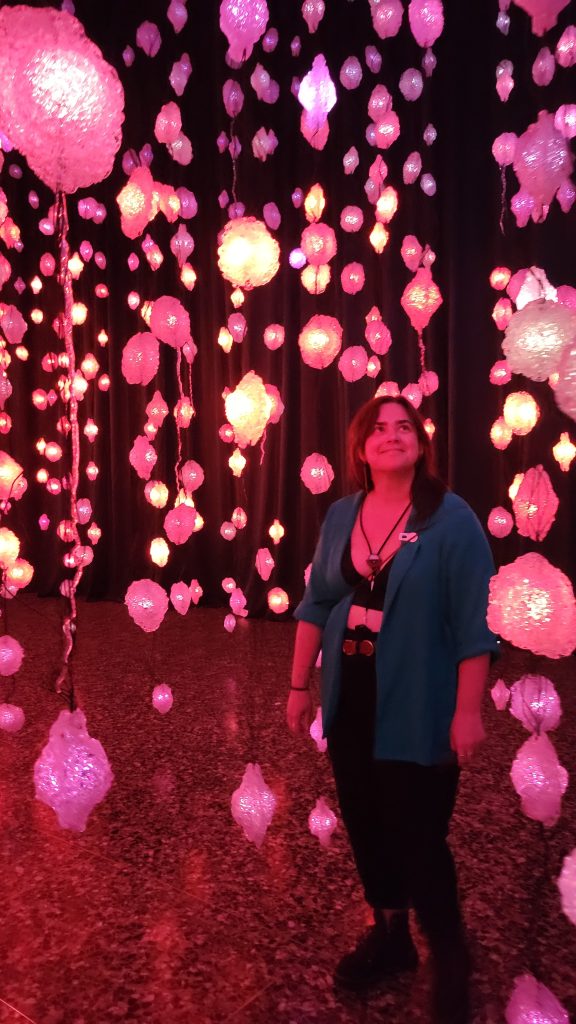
(374, 562)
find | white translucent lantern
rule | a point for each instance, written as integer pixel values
(564, 452)
(317, 95)
(147, 604)
(500, 695)
(316, 732)
(61, 103)
(11, 655)
(12, 480)
(521, 412)
(535, 504)
(264, 563)
(72, 774)
(567, 886)
(253, 805)
(11, 718)
(320, 341)
(248, 409)
(539, 779)
(316, 473)
(535, 703)
(248, 256)
(532, 605)
(536, 336)
(565, 391)
(322, 821)
(162, 698)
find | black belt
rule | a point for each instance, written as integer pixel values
(365, 647)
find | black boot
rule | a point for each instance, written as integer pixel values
(451, 982)
(385, 949)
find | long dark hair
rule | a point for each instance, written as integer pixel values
(427, 487)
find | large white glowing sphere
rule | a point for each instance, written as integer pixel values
(536, 336)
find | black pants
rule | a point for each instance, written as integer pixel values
(396, 813)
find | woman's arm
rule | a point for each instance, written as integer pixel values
(467, 731)
(299, 710)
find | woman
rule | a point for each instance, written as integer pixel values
(397, 600)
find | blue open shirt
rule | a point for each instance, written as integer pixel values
(434, 618)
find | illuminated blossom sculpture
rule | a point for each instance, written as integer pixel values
(386, 17)
(61, 103)
(421, 298)
(544, 13)
(11, 655)
(147, 604)
(318, 243)
(11, 718)
(136, 202)
(12, 480)
(535, 703)
(253, 805)
(248, 409)
(536, 336)
(567, 886)
(320, 341)
(535, 504)
(500, 522)
(426, 19)
(532, 605)
(243, 22)
(317, 94)
(322, 821)
(521, 412)
(140, 358)
(72, 774)
(179, 523)
(248, 256)
(170, 322)
(316, 473)
(539, 779)
(543, 162)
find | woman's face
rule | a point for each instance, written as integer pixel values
(393, 445)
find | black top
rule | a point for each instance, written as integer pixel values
(368, 593)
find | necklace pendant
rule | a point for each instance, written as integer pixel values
(374, 562)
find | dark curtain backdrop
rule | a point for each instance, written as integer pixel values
(461, 223)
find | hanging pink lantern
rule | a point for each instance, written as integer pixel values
(181, 245)
(179, 523)
(566, 194)
(140, 358)
(180, 73)
(353, 362)
(12, 324)
(351, 219)
(411, 169)
(411, 252)
(61, 103)
(168, 123)
(317, 95)
(544, 13)
(233, 97)
(322, 821)
(316, 473)
(350, 160)
(504, 79)
(535, 504)
(378, 337)
(274, 336)
(386, 17)
(351, 73)
(157, 410)
(535, 703)
(504, 148)
(13, 483)
(316, 732)
(421, 298)
(565, 391)
(143, 457)
(11, 655)
(180, 597)
(177, 15)
(253, 805)
(566, 47)
(532, 1003)
(264, 563)
(148, 38)
(135, 201)
(313, 12)
(543, 67)
(320, 341)
(500, 373)
(411, 84)
(243, 22)
(191, 475)
(522, 205)
(318, 243)
(248, 256)
(352, 278)
(147, 604)
(387, 130)
(500, 522)
(248, 409)
(272, 216)
(521, 412)
(72, 774)
(426, 19)
(532, 606)
(162, 698)
(170, 321)
(542, 162)
(11, 718)
(566, 884)
(278, 600)
(500, 695)
(539, 779)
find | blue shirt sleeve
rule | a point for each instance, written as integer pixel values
(468, 567)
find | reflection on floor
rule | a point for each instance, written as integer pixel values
(162, 912)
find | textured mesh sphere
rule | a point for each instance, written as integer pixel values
(535, 338)
(531, 604)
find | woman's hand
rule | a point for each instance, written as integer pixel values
(299, 712)
(466, 734)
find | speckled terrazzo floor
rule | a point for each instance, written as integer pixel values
(162, 913)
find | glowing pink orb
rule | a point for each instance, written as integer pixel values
(180, 597)
(544, 14)
(253, 805)
(11, 655)
(543, 160)
(322, 821)
(500, 695)
(179, 523)
(264, 563)
(140, 358)
(162, 698)
(353, 363)
(426, 19)
(143, 457)
(535, 703)
(147, 604)
(535, 504)
(11, 718)
(500, 522)
(243, 22)
(421, 298)
(320, 341)
(567, 886)
(316, 473)
(72, 774)
(170, 321)
(532, 605)
(539, 779)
